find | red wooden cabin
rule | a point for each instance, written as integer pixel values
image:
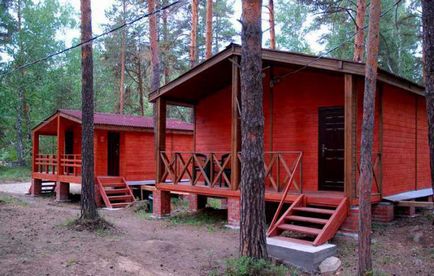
(313, 113)
(123, 147)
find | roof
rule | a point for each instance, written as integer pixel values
(215, 73)
(122, 120)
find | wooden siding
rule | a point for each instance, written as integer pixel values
(405, 157)
(291, 124)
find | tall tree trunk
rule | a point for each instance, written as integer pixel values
(360, 33)
(155, 60)
(123, 46)
(140, 84)
(208, 38)
(166, 43)
(252, 231)
(271, 22)
(365, 179)
(194, 21)
(88, 206)
(21, 95)
(428, 54)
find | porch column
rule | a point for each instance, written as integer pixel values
(235, 126)
(36, 187)
(60, 145)
(350, 157)
(160, 135)
(35, 150)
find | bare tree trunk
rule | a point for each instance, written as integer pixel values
(208, 38)
(140, 84)
(360, 33)
(123, 46)
(88, 206)
(166, 47)
(155, 60)
(271, 22)
(194, 21)
(428, 54)
(21, 96)
(252, 232)
(365, 179)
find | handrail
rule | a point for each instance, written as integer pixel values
(214, 168)
(285, 193)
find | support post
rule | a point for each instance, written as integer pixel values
(380, 139)
(36, 187)
(62, 191)
(350, 165)
(235, 126)
(60, 145)
(161, 203)
(160, 135)
(35, 150)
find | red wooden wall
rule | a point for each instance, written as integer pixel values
(293, 126)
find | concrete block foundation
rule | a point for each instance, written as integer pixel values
(305, 257)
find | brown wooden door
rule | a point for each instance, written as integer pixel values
(113, 143)
(331, 149)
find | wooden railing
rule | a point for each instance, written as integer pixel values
(283, 169)
(210, 169)
(71, 164)
(213, 169)
(46, 163)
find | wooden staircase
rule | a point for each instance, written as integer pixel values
(115, 191)
(309, 223)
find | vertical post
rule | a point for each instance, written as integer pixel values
(235, 126)
(380, 139)
(59, 145)
(350, 136)
(35, 150)
(160, 135)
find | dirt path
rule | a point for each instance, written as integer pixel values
(33, 241)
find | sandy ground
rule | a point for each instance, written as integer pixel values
(34, 240)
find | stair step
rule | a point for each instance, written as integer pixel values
(120, 197)
(300, 229)
(116, 191)
(294, 240)
(315, 210)
(120, 204)
(307, 219)
(114, 185)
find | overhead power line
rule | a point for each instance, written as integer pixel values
(94, 37)
(349, 39)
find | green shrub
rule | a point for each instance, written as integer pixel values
(246, 266)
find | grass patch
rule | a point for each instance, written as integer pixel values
(5, 199)
(245, 266)
(19, 174)
(210, 218)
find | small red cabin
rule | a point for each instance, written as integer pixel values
(123, 146)
(313, 114)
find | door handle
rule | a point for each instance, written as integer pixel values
(323, 149)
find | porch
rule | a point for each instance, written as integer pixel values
(66, 168)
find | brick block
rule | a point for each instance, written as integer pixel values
(62, 191)
(196, 202)
(233, 212)
(351, 224)
(161, 203)
(383, 212)
(35, 189)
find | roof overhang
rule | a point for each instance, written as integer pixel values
(215, 73)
